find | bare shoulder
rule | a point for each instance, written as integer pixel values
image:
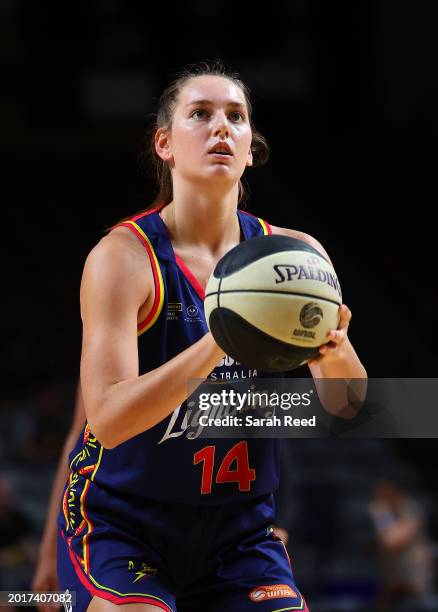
(118, 264)
(310, 240)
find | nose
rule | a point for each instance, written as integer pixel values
(220, 125)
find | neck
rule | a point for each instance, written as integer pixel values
(203, 219)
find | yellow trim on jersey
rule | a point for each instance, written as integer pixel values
(65, 501)
(85, 538)
(76, 457)
(94, 581)
(263, 224)
(151, 251)
(98, 462)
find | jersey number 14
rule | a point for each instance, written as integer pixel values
(242, 473)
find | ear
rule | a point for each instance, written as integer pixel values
(162, 144)
(249, 160)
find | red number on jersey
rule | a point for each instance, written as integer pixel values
(206, 454)
(242, 474)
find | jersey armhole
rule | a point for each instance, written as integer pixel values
(156, 271)
(267, 229)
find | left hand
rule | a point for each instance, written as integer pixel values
(337, 337)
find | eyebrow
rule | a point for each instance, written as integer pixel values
(229, 103)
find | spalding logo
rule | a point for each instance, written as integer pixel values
(310, 315)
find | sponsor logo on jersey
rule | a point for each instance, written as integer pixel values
(142, 570)
(173, 310)
(192, 314)
(273, 591)
(192, 311)
(221, 373)
(227, 361)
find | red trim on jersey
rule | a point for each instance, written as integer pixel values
(109, 596)
(86, 470)
(147, 212)
(190, 277)
(247, 213)
(156, 303)
(140, 215)
(287, 554)
(268, 227)
(90, 525)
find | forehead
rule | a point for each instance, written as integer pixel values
(217, 89)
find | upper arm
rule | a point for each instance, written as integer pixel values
(310, 240)
(117, 280)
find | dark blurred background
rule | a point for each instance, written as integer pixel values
(345, 93)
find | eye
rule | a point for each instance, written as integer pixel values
(199, 111)
(237, 116)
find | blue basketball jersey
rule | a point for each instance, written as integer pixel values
(167, 463)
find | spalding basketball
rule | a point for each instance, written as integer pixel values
(271, 301)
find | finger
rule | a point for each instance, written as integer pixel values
(329, 346)
(336, 337)
(322, 351)
(344, 316)
(333, 335)
(325, 349)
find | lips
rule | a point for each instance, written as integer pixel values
(223, 155)
(221, 149)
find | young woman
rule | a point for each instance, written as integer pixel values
(151, 518)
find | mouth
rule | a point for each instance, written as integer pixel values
(221, 149)
(221, 159)
(220, 155)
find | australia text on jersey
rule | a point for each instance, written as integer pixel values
(187, 421)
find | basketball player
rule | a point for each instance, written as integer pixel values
(151, 519)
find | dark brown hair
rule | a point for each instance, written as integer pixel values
(149, 159)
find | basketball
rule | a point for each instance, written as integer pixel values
(271, 301)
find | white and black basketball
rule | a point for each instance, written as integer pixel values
(270, 302)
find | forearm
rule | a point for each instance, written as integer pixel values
(345, 393)
(343, 363)
(133, 406)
